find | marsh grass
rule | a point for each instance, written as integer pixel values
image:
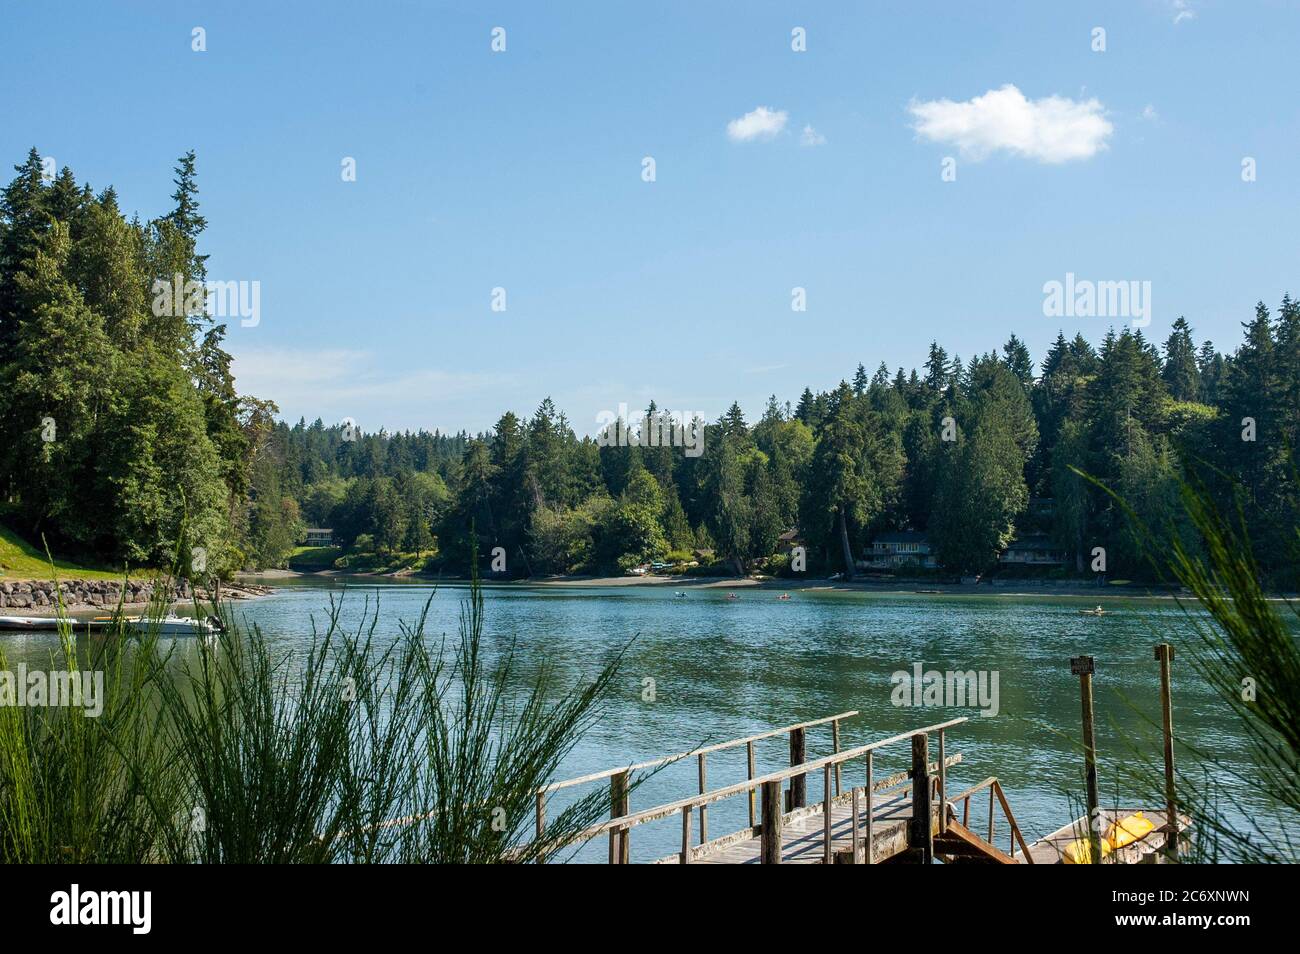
(221, 750)
(1244, 650)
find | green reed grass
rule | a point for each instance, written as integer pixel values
(222, 750)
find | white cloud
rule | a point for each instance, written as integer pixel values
(1149, 113)
(1053, 129)
(1182, 11)
(812, 137)
(762, 123)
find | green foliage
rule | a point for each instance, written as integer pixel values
(345, 751)
(120, 423)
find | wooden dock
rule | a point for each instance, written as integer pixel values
(907, 817)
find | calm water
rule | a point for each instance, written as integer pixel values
(724, 669)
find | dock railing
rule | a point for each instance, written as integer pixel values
(769, 786)
(620, 780)
(1014, 836)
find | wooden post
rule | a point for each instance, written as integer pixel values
(922, 825)
(855, 841)
(620, 842)
(869, 849)
(799, 783)
(686, 835)
(753, 795)
(770, 839)
(1165, 656)
(826, 816)
(835, 741)
(991, 796)
(704, 809)
(943, 788)
(541, 822)
(1084, 667)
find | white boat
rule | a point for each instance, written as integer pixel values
(172, 625)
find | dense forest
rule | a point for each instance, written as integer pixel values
(959, 450)
(121, 434)
(150, 435)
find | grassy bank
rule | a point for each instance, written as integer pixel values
(20, 560)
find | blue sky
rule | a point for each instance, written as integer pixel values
(523, 170)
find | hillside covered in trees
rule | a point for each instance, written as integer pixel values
(957, 450)
(119, 421)
(120, 424)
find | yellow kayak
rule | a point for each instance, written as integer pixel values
(1122, 833)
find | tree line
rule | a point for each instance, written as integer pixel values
(122, 436)
(122, 432)
(958, 449)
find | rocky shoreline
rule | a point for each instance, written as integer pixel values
(101, 594)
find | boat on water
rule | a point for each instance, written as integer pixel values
(164, 626)
(1093, 612)
(784, 597)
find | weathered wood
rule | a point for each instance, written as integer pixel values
(870, 847)
(921, 833)
(798, 755)
(1165, 656)
(1084, 667)
(718, 747)
(704, 809)
(770, 849)
(835, 742)
(541, 822)
(727, 791)
(962, 844)
(752, 794)
(943, 788)
(686, 836)
(620, 840)
(855, 838)
(826, 810)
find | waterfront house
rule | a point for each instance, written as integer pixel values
(319, 537)
(1035, 549)
(901, 548)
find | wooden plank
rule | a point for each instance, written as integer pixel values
(965, 845)
(871, 841)
(704, 809)
(826, 811)
(541, 823)
(752, 794)
(835, 743)
(718, 747)
(717, 795)
(943, 787)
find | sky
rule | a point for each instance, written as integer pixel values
(913, 172)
